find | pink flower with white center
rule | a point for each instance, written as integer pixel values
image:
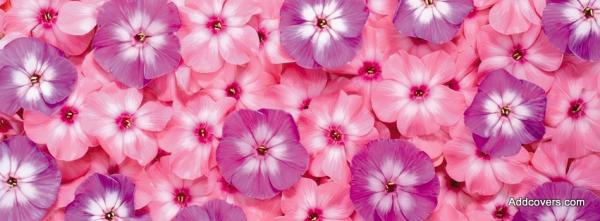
(246, 85)
(414, 96)
(270, 44)
(170, 194)
(334, 128)
(574, 112)
(312, 202)
(62, 131)
(216, 32)
(494, 208)
(37, 18)
(528, 55)
(193, 135)
(122, 124)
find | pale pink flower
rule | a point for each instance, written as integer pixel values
(122, 125)
(215, 32)
(509, 17)
(334, 129)
(78, 17)
(414, 96)
(193, 135)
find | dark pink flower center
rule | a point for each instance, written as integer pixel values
(428, 2)
(68, 114)
(204, 133)
(182, 197)
(262, 150)
(390, 187)
(233, 90)
(505, 111)
(518, 54)
(125, 121)
(453, 84)
(110, 215)
(4, 125)
(262, 36)
(335, 135)
(35, 78)
(588, 12)
(305, 104)
(140, 37)
(418, 92)
(12, 182)
(47, 17)
(501, 212)
(322, 23)
(314, 215)
(576, 109)
(215, 24)
(483, 155)
(370, 70)
(454, 185)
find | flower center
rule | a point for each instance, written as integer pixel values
(501, 212)
(262, 150)
(419, 92)
(4, 125)
(47, 16)
(233, 90)
(215, 25)
(305, 104)
(125, 121)
(370, 70)
(576, 109)
(262, 36)
(182, 197)
(483, 155)
(12, 182)
(109, 215)
(517, 55)
(322, 23)
(390, 187)
(35, 78)
(453, 184)
(313, 215)
(428, 2)
(588, 12)
(140, 37)
(335, 135)
(68, 114)
(505, 111)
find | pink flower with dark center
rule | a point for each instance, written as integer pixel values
(308, 201)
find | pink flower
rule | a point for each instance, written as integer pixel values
(62, 131)
(122, 125)
(509, 17)
(38, 19)
(270, 44)
(494, 208)
(215, 32)
(171, 194)
(78, 17)
(193, 135)
(484, 175)
(414, 96)
(334, 129)
(527, 56)
(307, 201)
(10, 126)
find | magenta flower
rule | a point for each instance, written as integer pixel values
(436, 21)
(260, 153)
(560, 191)
(393, 180)
(214, 210)
(102, 197)
(324, 33)
(35, 76)
(136, 40)
(506, 113)
(574, 25)
(30, 180)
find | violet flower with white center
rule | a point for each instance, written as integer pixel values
(437, 21)
(136, 40)
(29, 180)
(34, 76)
(322, 33)
(506, 113)
(214, 210)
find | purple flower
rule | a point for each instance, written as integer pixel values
(574, 25)
(30, 180)
(136, 40)
(260, 153)
(34, 75)
(506, 113)
(323, 33)
(102, 197)
(436, 21)
(560, 191)
(393, 181)
(214, 210)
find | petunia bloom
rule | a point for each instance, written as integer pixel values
(122, 124)
(102, 197)
(437, 21)
(136, 40)
(323, 33)
(574, 26)
(414, 95)
(307, 201)
(506, 113)
(214, 210)
(34, 76)
(393, 180)
(563, 192)
(260, 153)
(30, 180)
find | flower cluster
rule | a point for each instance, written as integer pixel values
(299, 110)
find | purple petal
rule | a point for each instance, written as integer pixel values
(214, 210)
